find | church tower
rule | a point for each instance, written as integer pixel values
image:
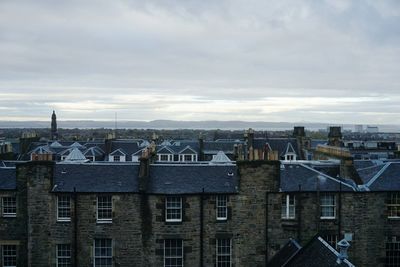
(54, 133)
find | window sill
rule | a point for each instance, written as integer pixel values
(9, 215)
(328, 218)
(103, 221)
(63, 220)
(394, 218)
(222, 220)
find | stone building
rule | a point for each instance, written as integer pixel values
(142, 214)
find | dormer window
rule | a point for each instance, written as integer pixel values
(117, 158)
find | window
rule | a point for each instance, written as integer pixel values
(288, 207)
(394, 205)
(9, 207)
(173, 209)
(103, 253)
(117, 158)
(331, 239)
(187, 158)
(392, 251)
(223, 252)
(63, 255)
(173, 253)
(164, 157)
(63, 208)
(104, 209)
(328, 206)
(222, 209)
(9, 255)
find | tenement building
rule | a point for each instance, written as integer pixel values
(195, 214)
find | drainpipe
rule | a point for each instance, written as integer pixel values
(340, 210)
(266, 227)
(299, 215)
(75, 229)
(201, 228)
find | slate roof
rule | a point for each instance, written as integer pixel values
(163, 179)
(360, 164)
(317, 253)
(277, 144)
(366, 174)
(97, 178)
(294, 175)
(190, 179)
(128, 146)
(227, 146)
(387, 179)
(285, 254)
(8, 178)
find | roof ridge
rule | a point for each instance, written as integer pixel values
(326, 244)
(379, 173)
(327, 176)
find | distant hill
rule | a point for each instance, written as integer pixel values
(171, 124)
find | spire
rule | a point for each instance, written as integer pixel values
(54, 132)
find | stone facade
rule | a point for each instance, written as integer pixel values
(138, 228)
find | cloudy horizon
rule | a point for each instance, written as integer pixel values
(315, 61)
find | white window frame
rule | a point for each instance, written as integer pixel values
(286, 206)
(221, 203)
(393, 206)
(174, 256)
(169, 199)
(58, 257)
(63, 219)
(217, 255)
(328, 206)
(10, 256)
(104, 220)
(3, 206)
(117, 157)
(102, 256)
(169, 157)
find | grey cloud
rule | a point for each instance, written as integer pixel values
(208, 50)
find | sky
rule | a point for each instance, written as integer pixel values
(255, 60)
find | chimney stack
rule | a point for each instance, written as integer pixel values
(335, 136)
(201, 147)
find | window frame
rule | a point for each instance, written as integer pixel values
(3, 207)
(217, 255)
(221, 203)
(393, 206)
(392, 245)
(102, 256)
(173, 256)
(332, 206)
(286, 206)
(58, 257)
(59, 218)
(104, 220)
(167, 200)
(3, 256)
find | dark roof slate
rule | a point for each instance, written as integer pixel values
(284, 254)
(295, 176)
(8, 179)
(387, 179)
(317, 253)
(96, 178)
(190, 179)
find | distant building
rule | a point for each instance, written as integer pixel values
(359, 128)
(54, 131)
(372, 129)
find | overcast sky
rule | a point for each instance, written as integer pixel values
(255, 60)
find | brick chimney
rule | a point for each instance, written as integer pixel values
(144, 170)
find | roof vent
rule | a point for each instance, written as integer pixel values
(63, 171)
(230, 174)
(343, 247)
(282, 167)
